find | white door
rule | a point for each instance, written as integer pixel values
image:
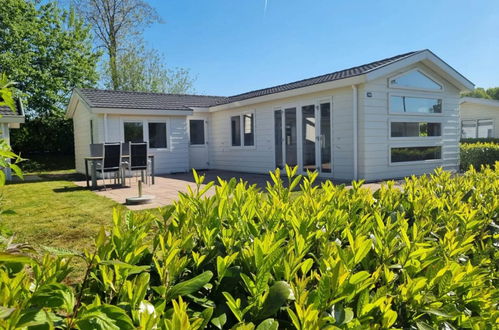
(198, 144)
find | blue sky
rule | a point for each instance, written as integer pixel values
(234, 46)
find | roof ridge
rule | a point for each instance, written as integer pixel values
(153, 93)
(392, 58)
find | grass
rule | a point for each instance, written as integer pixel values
(47, 164)
(55, 213)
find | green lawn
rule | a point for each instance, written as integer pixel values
(55, 213)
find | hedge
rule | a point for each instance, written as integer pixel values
(478, 154)
(483, 140)
(421, 256)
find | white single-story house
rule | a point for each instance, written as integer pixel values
(386, 119)
(479, 118)
(10, 119)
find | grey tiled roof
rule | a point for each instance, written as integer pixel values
(6, 111)
(157, 101)
(347, 73)
(100, 98)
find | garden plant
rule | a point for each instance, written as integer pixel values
(423, 255)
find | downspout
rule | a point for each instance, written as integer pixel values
(105, 127)
(355, 110)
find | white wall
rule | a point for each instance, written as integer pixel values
(261, 157)
(473, 111)
(5, 134)
(175, 158)
(374, 122)
(81, 126)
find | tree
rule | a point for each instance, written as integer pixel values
(115, 23)
(141, 69)
(47, 51)
(489, 93)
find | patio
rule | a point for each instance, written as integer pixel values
(166, 188)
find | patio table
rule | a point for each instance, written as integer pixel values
(95, 159)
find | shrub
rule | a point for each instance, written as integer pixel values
(478, 154)
(45, 134)
(483, 140)
(420, 257)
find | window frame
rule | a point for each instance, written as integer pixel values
(413, 138)
(476, 127)
(241, 133)
(416, 95)
(124, 121)
(423, 72)
(204, 131)
(145, 130)
(418, 144)
(167, 128)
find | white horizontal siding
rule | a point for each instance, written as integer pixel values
(374, 122)
(261, 157)
(82, 140)
(478, 111)
(173, 159)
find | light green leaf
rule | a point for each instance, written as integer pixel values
(279, 293)
(268, 324)
(190, 286)
(389, 318)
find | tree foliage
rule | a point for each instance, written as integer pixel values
(47, 51)
(142, 69)
(115, 23)
(489, 93)
(130, 65)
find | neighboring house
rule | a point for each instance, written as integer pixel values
(10, 119)
(479, 118)
(387, 119)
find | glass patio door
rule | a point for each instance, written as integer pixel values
(308, 138)
(285, 135)
(313, 142)
(325, 137)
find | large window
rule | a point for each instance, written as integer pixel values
(249, 129)
(415, 79)
(415, 129)
(481, 128)
(133, 132)
(411, 154)
(157, 135)
(485, 128)
(235, 130)
(196, 131)
(246, 135)
(409, 104)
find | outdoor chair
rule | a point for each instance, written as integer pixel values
(96, 149)
(111, 161)
(138, 160)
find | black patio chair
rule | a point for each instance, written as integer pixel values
(111, 161)
(138, 160)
